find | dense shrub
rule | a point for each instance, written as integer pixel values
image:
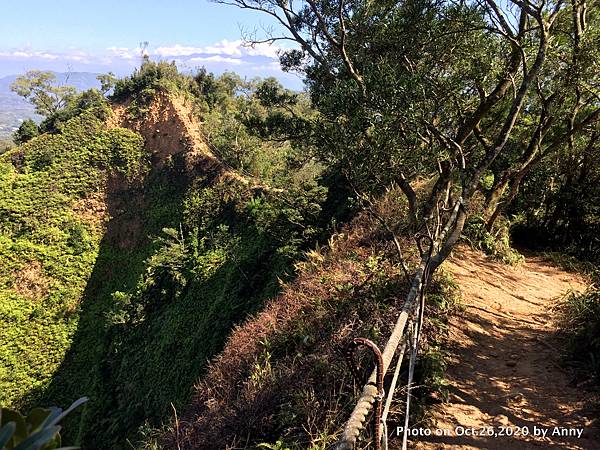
(495, 243)
(580, 323)
(150, 77)
(26, 131)
(92, 102)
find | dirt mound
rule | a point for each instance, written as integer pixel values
(504, 374)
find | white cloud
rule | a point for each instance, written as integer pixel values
(29, 54)
(216, 58)
(176, 50)
(260, 59)
(121, 52)
(264, 49)
(79, 56)
(225, 47)
(225, 51)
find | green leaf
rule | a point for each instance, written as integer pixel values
(6, 434)
(37, 440)
(36, 418)
(54, 419)
(9, 415)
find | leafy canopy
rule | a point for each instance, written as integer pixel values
(39, 88)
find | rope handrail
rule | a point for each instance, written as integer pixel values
(370, 392)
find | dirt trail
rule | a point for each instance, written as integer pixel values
(503, 370)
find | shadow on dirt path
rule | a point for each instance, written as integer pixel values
(504, 374)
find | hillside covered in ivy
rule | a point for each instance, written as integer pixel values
(126, 258)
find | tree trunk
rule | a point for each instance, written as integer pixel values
(493, 198)
(515, 184)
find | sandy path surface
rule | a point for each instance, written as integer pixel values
(503, 371)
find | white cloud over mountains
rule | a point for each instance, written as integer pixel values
(24, 54)
(260, 59)
(222, 51)
(232, 49)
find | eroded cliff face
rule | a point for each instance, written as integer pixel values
(176, 148)
(167, 127)
(170, 128)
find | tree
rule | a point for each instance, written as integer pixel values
(560, 113)
(40, 89)
(107, 82)
(91, 100)
(26, 131)
(436, 90)
(450, 92)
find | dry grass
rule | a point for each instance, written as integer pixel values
(30, 281)
(281, 374)
(92, 210)
(282, 379)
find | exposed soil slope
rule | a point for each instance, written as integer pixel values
(504, 369)
(172, 135)
(169, 128)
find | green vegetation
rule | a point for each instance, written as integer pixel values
(473, 115)
(139, 88)
(39, 430)
(129, 311)
(580, 324)
(258, 127)
(27, 131)
(495, 243)
(122, 273)
(463, 107)
(148, 79)
(57, 104)
(166, 306)
(48, 250)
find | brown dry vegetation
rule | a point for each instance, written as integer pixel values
(281, 370)
(282, 373)
(92, 210)
(30, 281)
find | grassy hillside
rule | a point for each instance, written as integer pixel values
(282, 382)
(49, 242)
(126, 264)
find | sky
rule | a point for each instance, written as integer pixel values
(102, 36)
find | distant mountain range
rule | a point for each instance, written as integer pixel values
(15, 109)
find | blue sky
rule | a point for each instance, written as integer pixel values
(100, 36)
